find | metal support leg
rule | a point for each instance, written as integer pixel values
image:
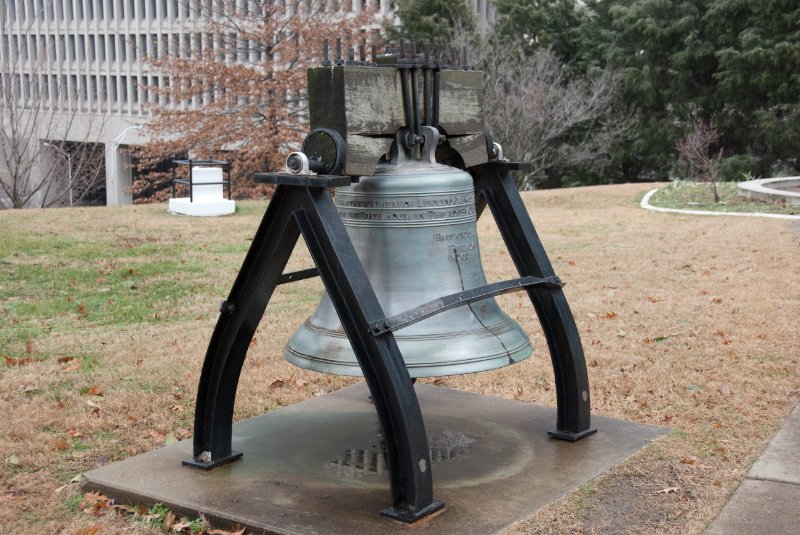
(380, 359)
(496, 187)
(310, 210)
(239, 316)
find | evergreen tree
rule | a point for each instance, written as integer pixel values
(432, 21)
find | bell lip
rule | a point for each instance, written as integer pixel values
(424, 370)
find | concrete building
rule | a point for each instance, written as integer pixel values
(82, 61)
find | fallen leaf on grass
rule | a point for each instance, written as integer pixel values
(296, 380)
(184, 524)
(96, 390)
(91, 530)
(73, 364)
(666, 490)
(169, 520)
(691, 460)
(725, 390)
(277, 384)
(60, 444)
(610, 315)
(155, 435)
(75, 479)
(94, 502)
(13, 460)
(11, 361)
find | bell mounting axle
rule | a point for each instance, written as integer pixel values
(402, 141)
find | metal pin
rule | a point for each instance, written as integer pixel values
(426, 48)
(338, 50)
(413, 45)
(351, 55)
(325, 59)
(464, 63)
(374, 53)
(362, 52)
(402, 49)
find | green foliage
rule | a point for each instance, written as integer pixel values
(432, 21)
(732, 64)
(554, 24)
(737, 168)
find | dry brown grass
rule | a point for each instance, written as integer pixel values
(687, 322)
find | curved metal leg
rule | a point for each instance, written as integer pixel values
(239, 316)
(385, 372)
(498, 190)
(311, 211)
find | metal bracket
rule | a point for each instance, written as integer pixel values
(437, 306)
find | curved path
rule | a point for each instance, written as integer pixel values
(646, 205)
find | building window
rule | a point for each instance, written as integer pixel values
(71, 48)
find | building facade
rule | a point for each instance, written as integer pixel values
(82, 61)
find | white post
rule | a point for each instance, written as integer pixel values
(119, 177)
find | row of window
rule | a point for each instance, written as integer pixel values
(97, 93)
(69, 10)
(133, 47)
(108, 93)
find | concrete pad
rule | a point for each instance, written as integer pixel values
(760, 507)
(781, 460)
(183, 206)
(316, 467)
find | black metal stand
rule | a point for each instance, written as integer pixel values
(303, 205)
(309, 210)
(495, 186)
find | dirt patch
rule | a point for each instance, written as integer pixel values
(687, 322)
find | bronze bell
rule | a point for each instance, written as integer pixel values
(413, 226)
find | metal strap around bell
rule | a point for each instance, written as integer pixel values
(447, 302)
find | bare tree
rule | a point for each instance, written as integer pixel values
(242, 96)
(546, 118)
(41, 164)
(694, 152)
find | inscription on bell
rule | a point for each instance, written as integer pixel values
(343, 201)
(409, 209)
(463, 251)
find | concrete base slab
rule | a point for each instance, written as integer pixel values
(760, 507)
(317, 467)
(183, 206)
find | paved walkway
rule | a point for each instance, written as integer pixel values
(768, 500)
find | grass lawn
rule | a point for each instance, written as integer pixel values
(687, 322)
(698, 196)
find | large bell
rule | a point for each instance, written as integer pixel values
(413, 226)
